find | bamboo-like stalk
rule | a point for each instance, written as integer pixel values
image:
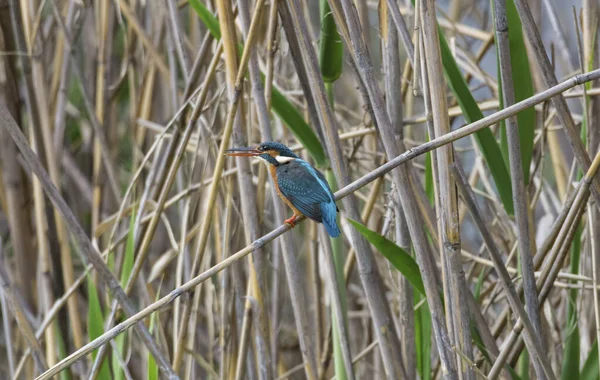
(61, 96)
(334, 294)
(365, 216)
(449, 242)
(263, 106)
(248, 196)
(245, 337)
(100, 111)
(6, 327)
(391, 64)
(520, 195)
(533, 340)
(22, 322)
(402, 30)
(250, 214)
(271, 46)
(594, 238)
(556, 154)
(13, 177)
(592, 58)
(182, 57)
(301, 69)
(227, 359)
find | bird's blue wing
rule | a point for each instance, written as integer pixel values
(303, 187)
(322, 178)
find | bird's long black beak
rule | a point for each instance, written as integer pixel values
(250, 151)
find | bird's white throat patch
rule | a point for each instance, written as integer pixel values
(280, 159)
(283, 159)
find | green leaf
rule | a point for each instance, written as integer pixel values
(523, 365)
(586, 100)
(209, 20)
(570, 368)
(590, 367)
(62, 351)
(423, 338)
(523, 87)
(485, 139)
(95, 324)
(129, 252)
(331, 57)
(291, 117)
(116, 354)
(337, 251)
(152, 367)
(125, 273)
(398, 257)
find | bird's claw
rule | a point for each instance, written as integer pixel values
(291, 221)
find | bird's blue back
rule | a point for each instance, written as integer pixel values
(307, 189)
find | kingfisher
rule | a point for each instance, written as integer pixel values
(302, 187)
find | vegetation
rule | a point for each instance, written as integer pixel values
(462, 140)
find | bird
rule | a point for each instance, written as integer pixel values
(302, 187)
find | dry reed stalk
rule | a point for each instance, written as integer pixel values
(16, 305)
(390, 14)
(17, 204)
(449, 243)
(520, 195)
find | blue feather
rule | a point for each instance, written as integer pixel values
(328, 211)
(308, 191)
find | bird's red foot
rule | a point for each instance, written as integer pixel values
(291, 221)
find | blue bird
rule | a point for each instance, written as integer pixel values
(302, 187)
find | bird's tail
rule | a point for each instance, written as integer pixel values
(329, 211)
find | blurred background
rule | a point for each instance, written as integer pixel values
(129, 105)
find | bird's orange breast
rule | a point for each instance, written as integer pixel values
(273, 172)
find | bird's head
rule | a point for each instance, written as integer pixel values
(270, 152)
